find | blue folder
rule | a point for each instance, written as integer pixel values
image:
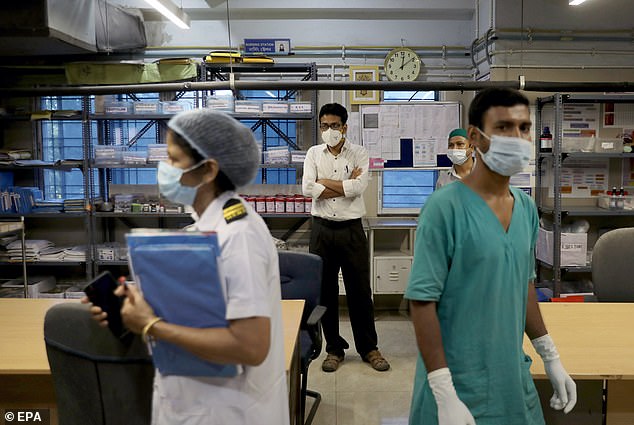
(178, 274)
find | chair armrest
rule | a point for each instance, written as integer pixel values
(315, 315)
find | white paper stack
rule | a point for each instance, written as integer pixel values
(32, 251)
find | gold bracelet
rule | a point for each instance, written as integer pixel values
(149, 325)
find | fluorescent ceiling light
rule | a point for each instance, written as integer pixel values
(171, 12)
(575, 2)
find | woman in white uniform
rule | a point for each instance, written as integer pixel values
(210, 154)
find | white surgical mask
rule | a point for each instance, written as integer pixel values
(457, 156)
(331, 137)
(169, 181)
(506, 155)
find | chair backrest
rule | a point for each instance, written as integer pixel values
(613, 266)
(98, 379)
(300, 276)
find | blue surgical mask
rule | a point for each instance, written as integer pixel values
(169, 180)
(506, 155)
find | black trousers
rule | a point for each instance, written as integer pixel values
(343, 245)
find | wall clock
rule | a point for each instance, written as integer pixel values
(402, 64)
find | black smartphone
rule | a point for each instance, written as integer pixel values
(100, 292)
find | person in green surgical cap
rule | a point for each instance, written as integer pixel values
(460, 153)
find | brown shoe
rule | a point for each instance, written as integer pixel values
(377, 361)
(331, 362)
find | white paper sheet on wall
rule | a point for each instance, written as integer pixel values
(353, 134)
(424, 154)
(383, 127)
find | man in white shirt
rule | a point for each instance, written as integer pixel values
(335, 176)
(460, 153)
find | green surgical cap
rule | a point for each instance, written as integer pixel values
(458, 132)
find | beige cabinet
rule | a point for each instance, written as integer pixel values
(391, 274)
(391, 243)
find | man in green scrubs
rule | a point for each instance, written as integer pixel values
(471, 286)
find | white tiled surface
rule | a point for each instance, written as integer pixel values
(356, 394)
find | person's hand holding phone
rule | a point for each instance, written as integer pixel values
(136, 312)
(97, 313)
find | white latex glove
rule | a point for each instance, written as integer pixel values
(565, 395)
(451, 411)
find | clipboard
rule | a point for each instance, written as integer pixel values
(179, 275)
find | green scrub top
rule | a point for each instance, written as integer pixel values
(477, 273)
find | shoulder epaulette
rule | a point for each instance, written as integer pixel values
(233, 210)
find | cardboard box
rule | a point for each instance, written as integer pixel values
(574, 248)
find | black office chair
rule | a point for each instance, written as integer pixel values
(300, 275)
(98, 379)
(613, 267)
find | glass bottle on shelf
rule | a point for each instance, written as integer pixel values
(546, 140)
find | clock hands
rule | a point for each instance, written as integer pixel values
(411, 60)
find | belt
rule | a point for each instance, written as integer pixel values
(337, 224)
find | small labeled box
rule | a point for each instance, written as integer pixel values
(108, 155)
(220, 103)
(609, 145)
(577, 144)
(156, 152)
(276, 155)
(300, 107)
(175, 106)
(279, 107)
(249, 107)
(141, 108)
(574, 248)
(118, 107)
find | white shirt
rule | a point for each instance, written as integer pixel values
(321, 164)
(448, 176)
(259, 395)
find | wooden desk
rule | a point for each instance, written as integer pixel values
(292, 316)
(25, 376)
(596, 342)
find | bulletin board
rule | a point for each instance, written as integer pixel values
(407, 134)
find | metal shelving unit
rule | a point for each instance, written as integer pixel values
(266, 121)
(19, 228)
(557, 210)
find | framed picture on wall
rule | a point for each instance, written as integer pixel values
(364, 73)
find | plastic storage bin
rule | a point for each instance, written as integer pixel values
(118, 107)
(577, 144)
(141, 108)
(574, 247)
(221, 103)
(279, 107)
(608, 145)
(247, 107)
(300, 107)
(108, 155)
(174, 107)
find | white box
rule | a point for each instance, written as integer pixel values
(574, 248)
(301, 107)
(146, 108)
(247, 107)
(275, 107)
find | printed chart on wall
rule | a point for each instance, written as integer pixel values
(580, 178)
(406, 134)
(579, 126)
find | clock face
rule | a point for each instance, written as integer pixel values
(402, 65)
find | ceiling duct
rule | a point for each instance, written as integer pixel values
(66, 27)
